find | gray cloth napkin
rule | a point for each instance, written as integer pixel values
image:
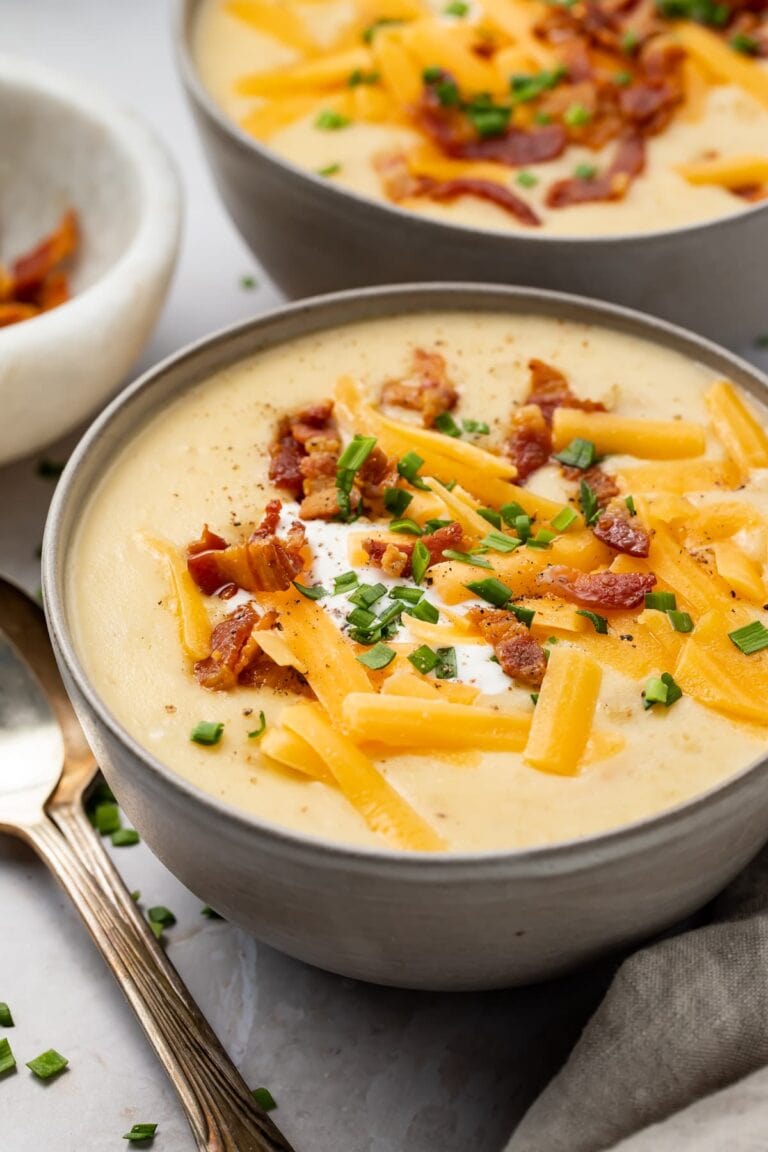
(684, 1020)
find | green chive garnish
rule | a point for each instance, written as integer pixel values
(527, 179)
(578, 454)
(141, 1132)
(7, 1058)
(396, 500)
(361, 618)
(161, 915)
(359, 77)
(585, 172)
(329, 170)
(661, 690)
(408, 468)
(491, 515)
(599, 623)
(210, 913)
(424, 610)
(623, 79)
(420, 561)
(410, 595)
(456, 8)
(125, 838)
(542, 539)
(500, 542)
(6, 1019)
(476, 427)
(510, 513)
(248, 283)
(377, 657)
(106, 818)
(348, 464)
(207, 732)
(344, 583)
(446, 667)
(534, 698)
(434, 524)
(390, 615)
(466, 558)
(589, 502)
(47, 1064)
(257, 732)
(748, 45)
(446, 424)
(629, 42)
(563, 520)
(524, 615)
(630, 503)
(372, 29)
(367, 595)
(522, 526)
(661, 601)
(406, 526)
(423, 659)
(680, 621)
(330, 121)
(311, 591)
(751, 638)
(491, 590)
(264, 1099)
(576, 115)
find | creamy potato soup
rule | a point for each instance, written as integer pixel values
(444, 581)
(585, 118)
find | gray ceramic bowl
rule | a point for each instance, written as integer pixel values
(313, 236)
(459, 920)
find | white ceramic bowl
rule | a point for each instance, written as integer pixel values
(64, 145)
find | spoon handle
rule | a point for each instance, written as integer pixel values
(222, 1113)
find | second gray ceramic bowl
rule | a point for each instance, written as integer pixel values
(313, 236)
(455, 920)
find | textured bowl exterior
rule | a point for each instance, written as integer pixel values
(457, 920)
(312, 236)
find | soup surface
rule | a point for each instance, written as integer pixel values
(593, 673)
(572, 119)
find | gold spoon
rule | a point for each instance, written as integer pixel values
(46, 768)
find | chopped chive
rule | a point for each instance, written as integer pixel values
(407, 526)
(136, 896)
(491, 590)
(362, 618)
(534, 698)
(410, 595)
(348, 464)
(542, 117)
(623, 79)
(423, 659)
(396, 500)
(47, 1064)
(629, 42)
(7, 1058)
(456, 8)
(500, 542)
(510, 512)
(491, 515)
(344, 583)
(476, 427)
(257, 732)
(141, 1132)
(156, 929)
(106, 818)
(564, 519)
(578, 454)
(466, 558)
(542, 539)
(446, 424)
(748, 45)
(449, 485)
(630, 504)
(751, 638)
(125, 838)
(585, 171)
(599, 623)
(207, 732)
(210, 913)
(524, 615)
(367, 595)
(329, 170)
(527, 179)
(372, 29)
(390, 615)
(488, 119)
(425, 610)
(48, 469)
(161, 915)
(446, 667)
(420, 561)
(264, 1099)
(661, 601)
(6, 1019)
(522, 526)
(589, 502)
(312, 592)
(434, 524)
(330, 121)
(408, 468)
(358, 77)
(377, 657)
(576, 115)
(680, 621)
(661, 690)
(248, 283)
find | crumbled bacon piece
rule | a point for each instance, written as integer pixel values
(612, 184)
(518, 653)
(323, 503)
(285, 456)
(530, 443)
(262, 672)
(207, 541)
(231, 649)
(616, 529)
(312, 431)
(269, 521)
(602, 483)
(265, 563)
(490, 190)
(449, 536)
(599, 589)
(426, 389)
(549, 389)
(35, 282)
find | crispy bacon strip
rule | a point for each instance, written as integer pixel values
(383, 552)
(516, 148)
(31, 269)
(519, 655)
(612, 184)
(13, 313)
(312, 431)
(549, 389)
(602, 483)
(231, 649)
(598, 589)
(530, 443)
(265, 563)
(427, 389)
(616, 529)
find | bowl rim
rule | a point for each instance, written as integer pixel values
(183, 15)
(155, 239)
(371, 303)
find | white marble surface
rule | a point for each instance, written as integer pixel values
(354, 1068)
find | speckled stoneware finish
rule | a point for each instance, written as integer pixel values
(314, 236)
(64, 145)
(458, 920)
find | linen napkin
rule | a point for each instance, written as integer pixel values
(660, 1067)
